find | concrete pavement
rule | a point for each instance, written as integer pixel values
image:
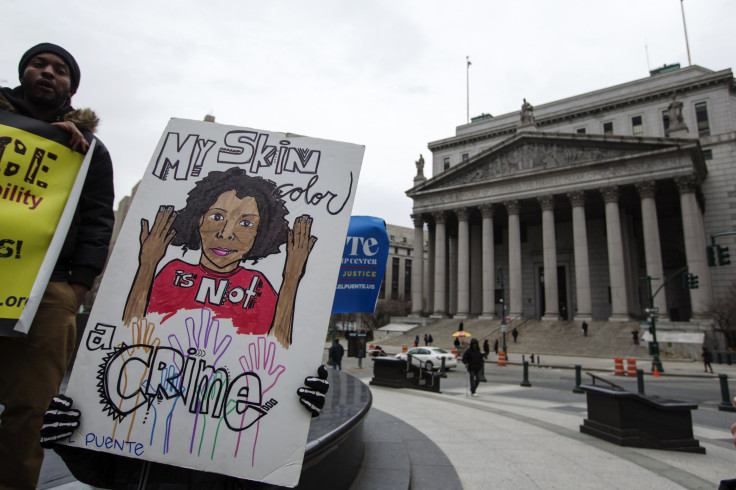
(507, 439)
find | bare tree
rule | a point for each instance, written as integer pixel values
(723, 312)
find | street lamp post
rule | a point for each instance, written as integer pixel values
(653, 313)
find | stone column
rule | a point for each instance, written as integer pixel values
(549, 252)
(451, 280)
(388, 276)
(417, 266)
(582, 264)
(616, 272)
(515, 291)
(695, 243)
(440, 265)
(463, 264)
(488, 266)
(431, 238)
(652, 246)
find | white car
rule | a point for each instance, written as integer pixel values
(431, 357)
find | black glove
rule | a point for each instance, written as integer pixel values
(312, 395)
(59, 421)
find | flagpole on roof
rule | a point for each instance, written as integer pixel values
(467, 86)
(684, 26)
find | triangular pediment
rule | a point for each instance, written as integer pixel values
(534, 154)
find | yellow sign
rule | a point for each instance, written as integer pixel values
(36, 177)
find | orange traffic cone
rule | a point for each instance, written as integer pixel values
(656, 371)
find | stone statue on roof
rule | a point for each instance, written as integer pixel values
(527, 114)
(674, 114)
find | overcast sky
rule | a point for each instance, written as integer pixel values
(388, 74)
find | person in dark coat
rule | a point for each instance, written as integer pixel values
(430, 339)
(336, 352)
(456, 343)
(473, 361)
(495, 346)
(486, 352)
(514, 334)
(32, 367)
(585, 328)
(707, 358)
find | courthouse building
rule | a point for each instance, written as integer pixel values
(564, 210)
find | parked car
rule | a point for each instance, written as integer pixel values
(431, 357)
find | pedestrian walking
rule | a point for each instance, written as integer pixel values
(426, 339)
(416, 341)
(336, 352)
(707, 358)
(585, 329)
(514, 334)
(635, 334)
(495, 346)
(486, 352)
(430, 339)
(473, 361)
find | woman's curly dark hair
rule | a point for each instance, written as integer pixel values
(273, 227)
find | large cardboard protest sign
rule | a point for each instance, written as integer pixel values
(215, 302)
(40, 181)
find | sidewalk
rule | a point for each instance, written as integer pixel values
(506, 438)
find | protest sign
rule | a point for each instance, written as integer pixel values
(363, 265)
(215, 302)
(40, 182)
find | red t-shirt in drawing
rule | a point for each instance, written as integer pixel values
(243, 295)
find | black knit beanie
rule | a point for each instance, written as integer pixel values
(62, 53)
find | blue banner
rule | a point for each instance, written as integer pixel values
(363, 265)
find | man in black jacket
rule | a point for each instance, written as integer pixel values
(473, 360)
(32, 367)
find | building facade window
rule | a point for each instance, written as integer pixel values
(608, 127)
(637, 127)
(465, 157)
(707, 154)
(395, 278)
(580, 130)
(382, 291)
(701, 116)
(446, 163)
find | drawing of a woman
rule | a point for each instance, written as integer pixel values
(231, 217)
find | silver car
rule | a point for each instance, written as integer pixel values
(431, 357)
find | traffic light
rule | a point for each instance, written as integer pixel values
(692, 281)
(724, 258)
(710, 252)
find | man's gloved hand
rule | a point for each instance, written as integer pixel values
(59, 421)
(312, 395)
